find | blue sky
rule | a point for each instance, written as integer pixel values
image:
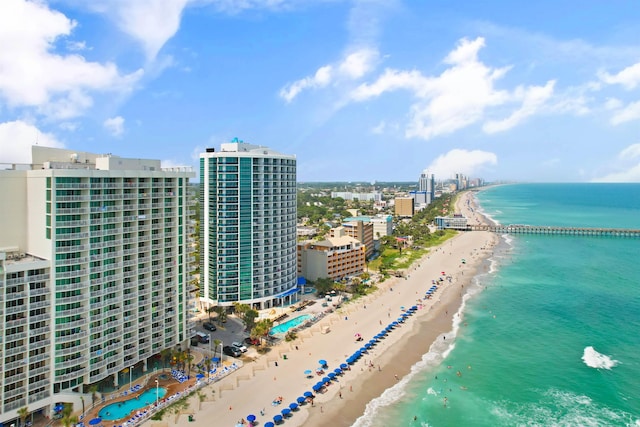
(358, 90)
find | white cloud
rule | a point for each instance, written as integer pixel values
(379, 128)
(468, 162)
(612, 104)
(16, 139)
(321, 78)
(115, 125)
(628, 166)
(626, 114)
(631, 152)
(33, 75)
(629, 77)
(456, 98)
(358, 63)
(533, 99)
(150, 22)
(352, 67)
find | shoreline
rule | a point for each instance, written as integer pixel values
(415, 344)
(279, 373)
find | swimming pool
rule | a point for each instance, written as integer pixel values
(289, 324)
(119, 410)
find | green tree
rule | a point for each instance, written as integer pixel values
(93, 389)
(67, 419)
(23, 413)
(216, 344)
(166, 357)
(323, 285)
(262, 328)
(250, 318)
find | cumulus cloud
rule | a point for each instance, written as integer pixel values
(353, 66)
(150, 22)
(457, 97)
(533, 99)
(468, 162)
(628, 78)
(115, 125)
(33, 75)
(16, 139)
(321, 78)
(627, 165)
(626, 114)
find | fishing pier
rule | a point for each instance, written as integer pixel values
(551, 230)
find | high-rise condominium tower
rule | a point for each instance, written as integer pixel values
(427, 184)
(94, 273)
(248, 226)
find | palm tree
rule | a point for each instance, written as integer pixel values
(207, 364)
(67, 419)
(261, 329)
(189, 358)
(23, 413)
(166, 355)
(93, 389)
(216, 343)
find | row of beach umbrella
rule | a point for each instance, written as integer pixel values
(287, 411)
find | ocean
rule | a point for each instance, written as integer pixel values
(550, 333)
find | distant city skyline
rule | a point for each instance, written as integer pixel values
(358, 90)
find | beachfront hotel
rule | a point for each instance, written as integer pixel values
(248, 226)
(338, 257)
(95, 265)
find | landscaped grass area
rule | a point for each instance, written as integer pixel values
(393, 259)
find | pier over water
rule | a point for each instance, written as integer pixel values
(550, 230)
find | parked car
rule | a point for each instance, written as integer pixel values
(239, 346)
(251, 341)
(231, 351)
(209, 326)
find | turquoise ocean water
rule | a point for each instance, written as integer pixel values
(550, 334)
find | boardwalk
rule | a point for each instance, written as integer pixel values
(567, 231)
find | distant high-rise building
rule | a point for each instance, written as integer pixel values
(248, 226)
(427, 184)
(95, 256)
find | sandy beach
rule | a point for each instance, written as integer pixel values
(280, 373)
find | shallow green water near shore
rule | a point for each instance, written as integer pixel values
(551, 335)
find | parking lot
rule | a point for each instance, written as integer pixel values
(230, 331)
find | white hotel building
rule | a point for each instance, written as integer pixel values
(95, 265)
(248, 226)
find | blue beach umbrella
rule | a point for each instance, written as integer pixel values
(343, 366)
(269, 424)
(414, 308)
(332, 375)
(307, 372)
(326, 380)
(286, 411)
(251, 418)
(322, 362)
(293, 406)
(277, 418)
(337, 371)
(367, 346)
(301, 400)
(317, 387)
(200, 376)
(308, 394)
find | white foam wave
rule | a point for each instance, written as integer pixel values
(559, 408)
(438, 351)
(593, 359)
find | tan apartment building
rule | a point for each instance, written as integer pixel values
(335, 257)
(359, 230)
(404, 206)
